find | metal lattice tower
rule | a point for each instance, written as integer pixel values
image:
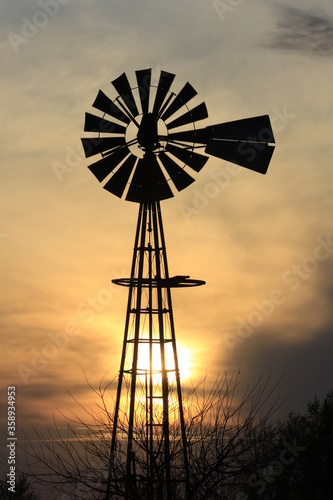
(150, 327)
(145, 160)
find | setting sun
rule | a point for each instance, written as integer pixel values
(184, 359)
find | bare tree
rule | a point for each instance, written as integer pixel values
(227, 431)
(23, 490)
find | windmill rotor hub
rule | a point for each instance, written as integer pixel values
(147, 134)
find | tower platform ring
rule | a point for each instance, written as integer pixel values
(172, 282)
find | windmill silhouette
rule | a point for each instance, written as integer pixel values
(147, 155)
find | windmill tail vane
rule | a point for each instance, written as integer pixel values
(146, 143)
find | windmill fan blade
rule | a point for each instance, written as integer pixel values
(122, 86)
(97, 124)
(95, 145)
(143, 78)
(104, 167)
(179, 177)
(253, 156)
(148, 182)
(184, 96)
(118, 181)
(195, 114)
(256, 129)
(163, 87)
(199, 135)
(103, 103)
(192, 159)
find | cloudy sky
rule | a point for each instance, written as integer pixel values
(264, 244)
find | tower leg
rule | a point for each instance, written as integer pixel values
(174, 348)
(140, 462)
(122, 361)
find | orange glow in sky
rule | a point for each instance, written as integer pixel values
(184, 359)
(262, 243)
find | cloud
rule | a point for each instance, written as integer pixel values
(302, 31)
(295, 341)
(68, 237)
(305, 367)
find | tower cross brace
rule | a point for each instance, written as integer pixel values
(149, 387)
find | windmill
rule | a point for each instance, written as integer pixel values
(148, 140)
